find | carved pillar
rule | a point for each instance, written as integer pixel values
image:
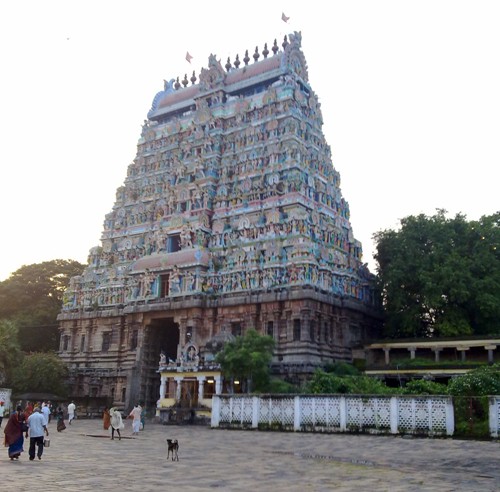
(490, 349)
(201, 385)
(163, 385)
(276, 325)
(463, 353)
(386, 355)
(89, 342)
(412, 351)
(436, 353)
(182, 335)
(218, 385)
(305, 326)
(178, 386)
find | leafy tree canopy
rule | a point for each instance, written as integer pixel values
(32, 297)
(10, 352)
(247, 358)
(440, 277)
(41, 373)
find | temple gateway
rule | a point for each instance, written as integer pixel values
(230, 218)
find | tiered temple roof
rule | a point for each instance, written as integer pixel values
(232, 190)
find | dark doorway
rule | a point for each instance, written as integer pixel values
(189, 393)
(161, 335)
(165, 337)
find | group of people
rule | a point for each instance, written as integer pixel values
(32, 421)
(19, 425)
(112, 418)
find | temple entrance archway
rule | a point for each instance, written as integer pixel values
(162, 334)
(165, 337)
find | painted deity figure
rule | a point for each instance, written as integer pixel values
(163, 358)
(186, 237)
(191, 353)
(146, 287)
(175, 281)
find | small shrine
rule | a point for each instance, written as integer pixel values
(187, 383)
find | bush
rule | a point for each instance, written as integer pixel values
(424, 387)
(341, 369)
(479, 382)
(326, 383)
(278, 386)
(470, 401)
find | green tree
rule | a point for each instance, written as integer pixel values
(10, 352)
(439, 276)
(247, 358)
(32, 297)
(41, 373)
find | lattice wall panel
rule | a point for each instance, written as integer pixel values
(383, 413)
(327, 412)
(307, 411)
(353, 412)
(225, 410)
(247, 410)
(265, 411)
(282, 411)
(405, 414)
(437, 414)
(496, 413)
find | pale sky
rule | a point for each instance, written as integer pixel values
(410, 95)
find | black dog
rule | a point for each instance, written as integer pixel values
(173, 447)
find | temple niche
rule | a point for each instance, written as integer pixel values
(231, 218)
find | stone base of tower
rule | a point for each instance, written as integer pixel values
(113, 355)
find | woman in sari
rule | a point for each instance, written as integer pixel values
(106, 418)
(143, 418)
(28, 410)
(60, 419)
(14, 436)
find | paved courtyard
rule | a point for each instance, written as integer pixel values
(83, 458)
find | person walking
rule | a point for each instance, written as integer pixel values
(14, 433)
(2, 411)
(60, 419)
(46, 412)
(143, 418)
(71, 411)
(37, 426)
(136, 423)
(106, 418)
(116, 423)
(28, 409)
(51, 410)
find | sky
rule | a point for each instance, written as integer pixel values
(409, 91)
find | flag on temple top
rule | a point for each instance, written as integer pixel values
(188, 57)
(284, 18)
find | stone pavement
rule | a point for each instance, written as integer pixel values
(83, 458)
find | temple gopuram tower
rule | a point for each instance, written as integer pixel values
(230, 218)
